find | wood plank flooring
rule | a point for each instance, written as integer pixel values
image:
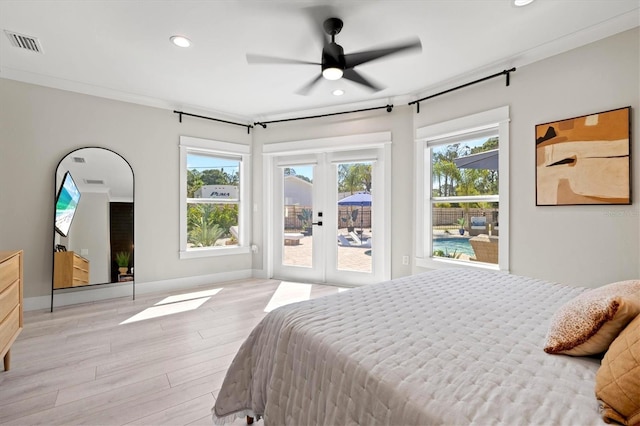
(158, 360)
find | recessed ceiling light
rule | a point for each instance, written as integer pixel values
(522, 2)
(338, 92)
(180, 41)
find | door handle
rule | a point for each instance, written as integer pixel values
(319, 223)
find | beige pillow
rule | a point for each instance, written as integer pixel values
(587, 324)
(618, 379)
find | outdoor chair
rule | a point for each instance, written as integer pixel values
(358, 239)
(344, 242)
(234, 231)
(485, 247)
(478, 225)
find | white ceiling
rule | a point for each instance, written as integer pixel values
(121, 49)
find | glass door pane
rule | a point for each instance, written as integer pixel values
(355, 207)
(297, 207)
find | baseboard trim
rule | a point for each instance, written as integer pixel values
(112, 291)
(260, 273)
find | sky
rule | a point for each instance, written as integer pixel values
(472, 143)
(205, 162)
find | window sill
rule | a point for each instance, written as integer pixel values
(441, 263)
(213, 252)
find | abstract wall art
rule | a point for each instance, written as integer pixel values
(584, 160)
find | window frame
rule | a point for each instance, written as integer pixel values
(447, 132)
(221, 149)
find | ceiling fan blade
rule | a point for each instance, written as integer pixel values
(263, 59)
(354, 59)
(304, 90)
(353, 75)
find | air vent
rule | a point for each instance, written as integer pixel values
(94, 181)
(79, 160)
(22, 41)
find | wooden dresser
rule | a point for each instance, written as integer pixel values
(11, 308)
(69, 270)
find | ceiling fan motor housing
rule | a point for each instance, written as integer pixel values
(333, 57)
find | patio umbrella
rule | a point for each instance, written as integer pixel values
(487, 160)
(359, 199)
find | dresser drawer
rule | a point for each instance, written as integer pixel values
(9, 299)
(9, 328)
(9, 271)
(80, 262)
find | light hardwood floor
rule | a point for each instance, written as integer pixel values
(160, 359)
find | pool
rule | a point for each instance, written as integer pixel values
(449, 245)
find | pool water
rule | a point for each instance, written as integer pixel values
(453, 244)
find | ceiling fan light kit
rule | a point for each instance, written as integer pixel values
(332, 73)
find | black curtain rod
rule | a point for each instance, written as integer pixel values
(180, 114)
(264, 123)
(498, 74)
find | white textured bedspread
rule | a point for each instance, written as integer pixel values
(448, 347)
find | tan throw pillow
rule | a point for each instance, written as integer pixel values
(587, 324)
(618, 379)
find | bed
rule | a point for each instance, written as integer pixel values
(447, 347)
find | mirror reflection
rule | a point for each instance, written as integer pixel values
(93, 238)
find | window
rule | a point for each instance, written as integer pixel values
(462, 215)
(213, 188)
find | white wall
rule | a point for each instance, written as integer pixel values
(583, 245)
(90, 232)
(39, 126)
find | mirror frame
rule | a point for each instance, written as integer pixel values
(55, 194)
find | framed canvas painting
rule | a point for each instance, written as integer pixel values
(584, 160)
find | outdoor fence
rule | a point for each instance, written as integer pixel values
(445, 217)
(292, 221)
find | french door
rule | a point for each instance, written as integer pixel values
(328, 217)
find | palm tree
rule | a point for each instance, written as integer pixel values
(354, 178)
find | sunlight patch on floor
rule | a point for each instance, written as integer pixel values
(173, 305)
(288, 292)
(189, 296)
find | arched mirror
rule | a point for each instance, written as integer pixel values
(93, 224)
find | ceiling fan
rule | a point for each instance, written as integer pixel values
(335, 64)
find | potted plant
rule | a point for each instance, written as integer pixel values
(122, 259)
(461, 223)
(306, 218)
